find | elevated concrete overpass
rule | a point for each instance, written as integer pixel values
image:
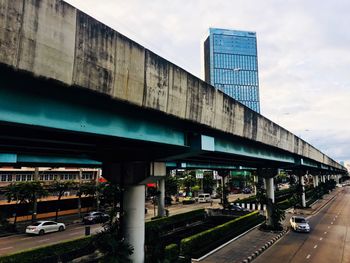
(72, 87)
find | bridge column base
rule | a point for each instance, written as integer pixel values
(134, 221)
(161, 209)
(270, 192)
(302, 182)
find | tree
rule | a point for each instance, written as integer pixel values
(25, 192)
(260, 194)
(276, 216)
(111, 240)
(171, 185)
(59, 187)
(86, 189)
(188, 182)
(208, 183)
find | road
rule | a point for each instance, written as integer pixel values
(12, 244)
(328, 241)
(179, 208)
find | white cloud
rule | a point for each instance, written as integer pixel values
(303, 47)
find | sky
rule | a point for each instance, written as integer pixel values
(303, 53)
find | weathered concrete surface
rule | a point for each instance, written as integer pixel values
(52, 39)
(38, 36)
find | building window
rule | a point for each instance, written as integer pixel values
(3, 178)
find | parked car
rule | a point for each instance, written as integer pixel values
(95, 217)
(188, 200)
(234, 207)
(215, 195)
(246, 190)
(43, 227)
(204, 198)
(299, 223)
(168, 200)
(235, 190)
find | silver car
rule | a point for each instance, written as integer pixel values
(43, 227)
(300, 224)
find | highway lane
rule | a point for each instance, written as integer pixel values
(328, 241)
(15, 243)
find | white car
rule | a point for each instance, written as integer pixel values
(299, 223)
(43, 227)
(204, 198)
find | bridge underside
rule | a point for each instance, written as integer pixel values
(44, 122)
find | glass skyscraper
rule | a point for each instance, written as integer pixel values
(231, 64)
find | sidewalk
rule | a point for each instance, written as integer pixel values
(243, 248)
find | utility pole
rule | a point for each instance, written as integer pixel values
(79, 197)
(35, 204)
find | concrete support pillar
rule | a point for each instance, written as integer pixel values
(315, 180)
(303, 200)
(161, 209)
(255, 183)
(337, 178)
(271, 198)
(270, 192)
(134, 221)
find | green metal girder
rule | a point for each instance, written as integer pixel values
(50, 112)
(244, 149)
(13, 159)
(191, 165)
(309, 163)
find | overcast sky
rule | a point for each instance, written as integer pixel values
(303, 53)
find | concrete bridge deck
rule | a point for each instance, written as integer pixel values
(55, 41)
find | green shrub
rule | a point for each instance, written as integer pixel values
(199, 244)
(156, 228)
(171, 253)
(52, 253)
(165, 224)
(280, 195)
(285, 204)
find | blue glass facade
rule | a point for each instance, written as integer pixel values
(231, 64)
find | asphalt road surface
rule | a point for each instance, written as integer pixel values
(328, 241)
(15, 243)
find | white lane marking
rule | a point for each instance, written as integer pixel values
(329, 227)
(331, 223)
(25, 238)
(308, 256)
(325, 233)
(315, 246)
(44, 240)
(321, 238)
(5, 248)
(12, 236)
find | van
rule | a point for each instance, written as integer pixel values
(204, 198)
